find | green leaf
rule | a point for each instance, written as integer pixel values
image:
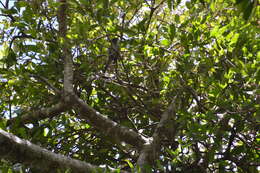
(246, 7)
(248, 10)
(171, 31)
(10, 11)
(170, 4)
(11, 58)
(165, 42)
(129, 164)
(239, 149)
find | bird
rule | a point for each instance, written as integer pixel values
(113, 53)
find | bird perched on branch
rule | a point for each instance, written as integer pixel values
(113, 53)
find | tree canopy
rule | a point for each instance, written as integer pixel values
(129, 86)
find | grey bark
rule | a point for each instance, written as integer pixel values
(22, 151)
(107, 126)
(152, 148)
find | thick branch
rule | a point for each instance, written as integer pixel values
(36, 115)
(109, 127)
(68, 64)
(22, 151)
(151, 150)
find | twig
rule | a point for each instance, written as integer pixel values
(8, 15)
(23, 35)
(43, 79)
(3, 4)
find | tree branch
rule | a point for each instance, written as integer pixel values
(2, 4)
(151, 150)
(36, 115)
(109, 127)
(43, 79)
(20, 35)
(22, 151)
(68, 64)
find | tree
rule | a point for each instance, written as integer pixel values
(182, 95)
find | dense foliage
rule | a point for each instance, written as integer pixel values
(203, 55)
